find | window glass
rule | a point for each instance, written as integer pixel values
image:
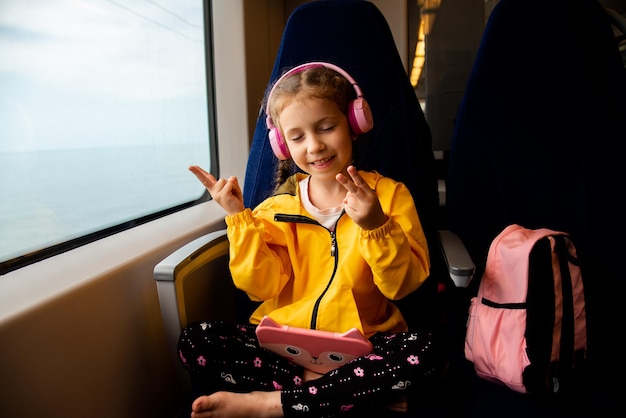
(103, 106)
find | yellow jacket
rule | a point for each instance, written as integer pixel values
(310, 277)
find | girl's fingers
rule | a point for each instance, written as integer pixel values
(345, 182)
(198, 171)
(234, 180)
(205, 178)
(356, 178)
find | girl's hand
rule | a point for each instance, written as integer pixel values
(226, 193)
(361, 203)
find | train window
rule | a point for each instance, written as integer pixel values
(103, 106)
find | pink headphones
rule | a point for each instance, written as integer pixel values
(359, 113)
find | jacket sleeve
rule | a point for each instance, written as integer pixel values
(397, 251)
(255, 262)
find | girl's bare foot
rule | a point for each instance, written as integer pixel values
(238, 405)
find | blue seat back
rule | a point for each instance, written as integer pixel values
(537, 129)
(536, 142)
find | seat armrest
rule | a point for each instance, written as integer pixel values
(167, 268)
(460, 265)
(194, 284)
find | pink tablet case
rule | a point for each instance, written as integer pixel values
(318, 351)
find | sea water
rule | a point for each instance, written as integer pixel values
(51, 195)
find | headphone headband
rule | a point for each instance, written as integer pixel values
(359, 114)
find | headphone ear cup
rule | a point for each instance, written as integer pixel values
(360, 116)
(278, 144)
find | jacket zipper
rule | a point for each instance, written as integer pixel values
(280, 217)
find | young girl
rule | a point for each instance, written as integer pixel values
(352, 236)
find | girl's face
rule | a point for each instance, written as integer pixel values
(318, 136)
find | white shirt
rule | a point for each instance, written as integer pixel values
(326, 217)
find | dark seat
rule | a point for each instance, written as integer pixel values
(536, 142)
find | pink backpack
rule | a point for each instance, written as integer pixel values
(526, 327)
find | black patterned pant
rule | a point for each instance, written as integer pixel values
(228, 357)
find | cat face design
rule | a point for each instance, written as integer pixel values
(309, 356)
(318, 351)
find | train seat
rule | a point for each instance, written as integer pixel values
(535, 142)
(354, 35)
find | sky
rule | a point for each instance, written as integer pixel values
(89, 73)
